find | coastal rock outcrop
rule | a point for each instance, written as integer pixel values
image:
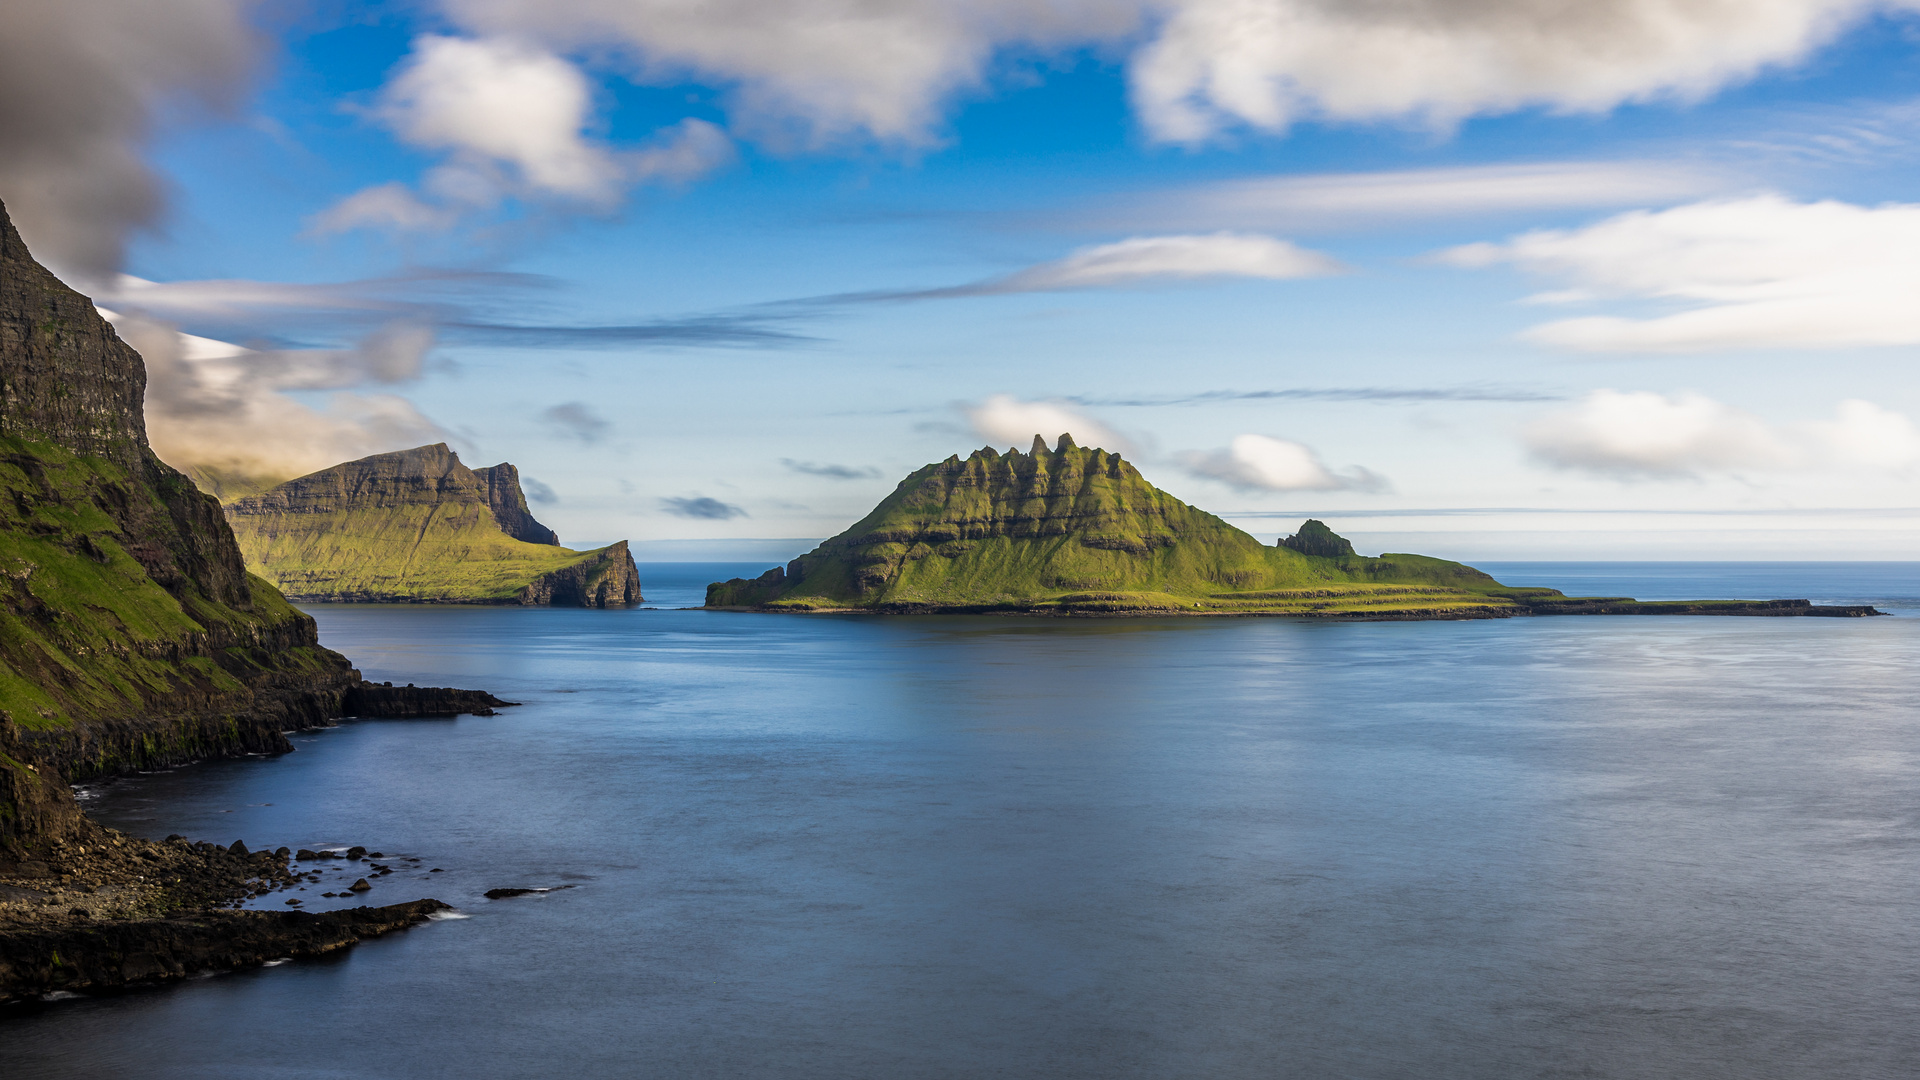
(131, 633)
(418, 526)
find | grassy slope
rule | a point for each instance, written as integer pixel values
(1081, 531)
(416, 551)
(84, 630)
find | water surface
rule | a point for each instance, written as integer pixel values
(967, 847)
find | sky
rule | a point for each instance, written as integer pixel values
(1484, 279)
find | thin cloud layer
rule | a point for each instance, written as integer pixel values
(1640, 435)
(576, 420)
(1264, 463)
(831, 471)
(1006, 420)
(1321, 201)
(701, 508)
(80, 84)
(1760, 272)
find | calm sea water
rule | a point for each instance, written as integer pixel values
(981, 847)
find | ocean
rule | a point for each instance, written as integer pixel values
(844, 846)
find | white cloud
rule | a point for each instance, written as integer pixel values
(1753, 273)
(214, 404)
(1324, 200)
(1629, 434)
(1269, 63)
(1264, 463)
(1150, 258)
(1140, 260)
(514, 121)
(501, 101)
(1005, 419)
(884, 68)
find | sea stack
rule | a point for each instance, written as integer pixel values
(418, 526)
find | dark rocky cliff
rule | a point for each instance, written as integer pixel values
(608, 579)
(509, 505)
(131, 634)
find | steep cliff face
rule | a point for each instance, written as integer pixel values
(418, 526)
(131, 634)
(1070, 528)
(509, 506)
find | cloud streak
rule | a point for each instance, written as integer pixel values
(701, 508)
(1642, 435)
(1412, 395)
(1760, 272)
(1321, 202)
(830, 471)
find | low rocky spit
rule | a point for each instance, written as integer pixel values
(104, 910)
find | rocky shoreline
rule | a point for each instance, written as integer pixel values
(100, 910)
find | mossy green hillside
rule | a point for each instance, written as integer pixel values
(86, 630)
(411, 526)
(1074, 529)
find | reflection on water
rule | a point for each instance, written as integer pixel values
(952, 847)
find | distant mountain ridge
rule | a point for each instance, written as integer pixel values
(418, 526)
(1077, 530)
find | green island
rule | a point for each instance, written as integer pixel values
(1078, 531)
(418, 526)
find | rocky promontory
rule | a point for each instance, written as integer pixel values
(131, 637)
(418, 526)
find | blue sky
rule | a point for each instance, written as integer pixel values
(1483, 279)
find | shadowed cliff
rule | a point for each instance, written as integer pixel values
(419, 526)
(131, 634)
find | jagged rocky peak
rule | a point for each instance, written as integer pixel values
(1314, 538)
(1033, 517)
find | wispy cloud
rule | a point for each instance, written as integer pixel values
(832, 472)
(575, 420)
(1264, 463)
(1319, 202)
(1326, 393)
(702, 508)
(1759, 272)
(1136, 261)
(1638, 434)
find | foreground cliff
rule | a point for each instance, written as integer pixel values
(1076, 531)
(132, 637)
(131, 634)
(418, 526)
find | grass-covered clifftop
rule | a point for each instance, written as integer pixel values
(418, 526)
(131, 634)
(1077, 530)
